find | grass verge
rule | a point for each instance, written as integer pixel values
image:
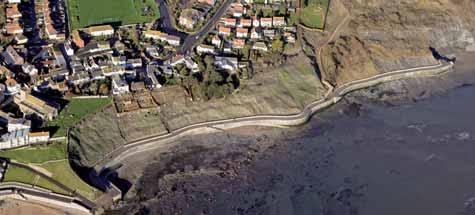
(37, 154)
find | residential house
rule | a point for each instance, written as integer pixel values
(29, 69)
(266, 22)
(256, 22)
(226, 63)
(158, 35)
(30, 104)
(237, 9)
(119, 60)
(38, 137)
(100, 31)
(255, 35)
(224, 31)
(191, 64)
(77, 40)
(269, 33)
(278, 21)
(13, 28)
(151, 79)
(260, 46)
(289, 37)
(178, 59)
(133, 63)
(208, 2)
(216, 41)
(51, 32)
(97, 74)
(242, 32)
(119, 85)
(12, 12)
(13, 1)
(239, 43)
(188, 18)
(11, 57)
(245, 23)
(79, 77)
(12, 86)
(229, 22)
(15, 132)
(205, 49)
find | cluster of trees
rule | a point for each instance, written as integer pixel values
(207, 84)
(100, 87)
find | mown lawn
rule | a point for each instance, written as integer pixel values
(84, 13)
(75, 110)
(37, 154)
(63, 173)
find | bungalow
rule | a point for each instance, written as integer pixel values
(239, 43)
(158, 35)
(223, 31)
(205, 49)
(14, 28)
(266, 22)
(242, 32)
(245, 23)
(119, 85)
(260, 46)
(229, 22)
(216, 41)
(255, 35)
(278, 21)
(99, 31)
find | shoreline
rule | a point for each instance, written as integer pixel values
(273, 121)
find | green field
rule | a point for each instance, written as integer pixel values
(18, 174)
(38, 154)
(313, 13)
(84, 13)
(75, 110)
(66, 176)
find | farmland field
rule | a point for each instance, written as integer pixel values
(84, 13)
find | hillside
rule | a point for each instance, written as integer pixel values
(388, 35)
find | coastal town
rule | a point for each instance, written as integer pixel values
(43, 58)
(59, 63)
(164, 106)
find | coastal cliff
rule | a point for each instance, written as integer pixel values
(388, 35)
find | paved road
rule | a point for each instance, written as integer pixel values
(194, 39)
(138, 146)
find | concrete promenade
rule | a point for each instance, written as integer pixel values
(118, 155)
